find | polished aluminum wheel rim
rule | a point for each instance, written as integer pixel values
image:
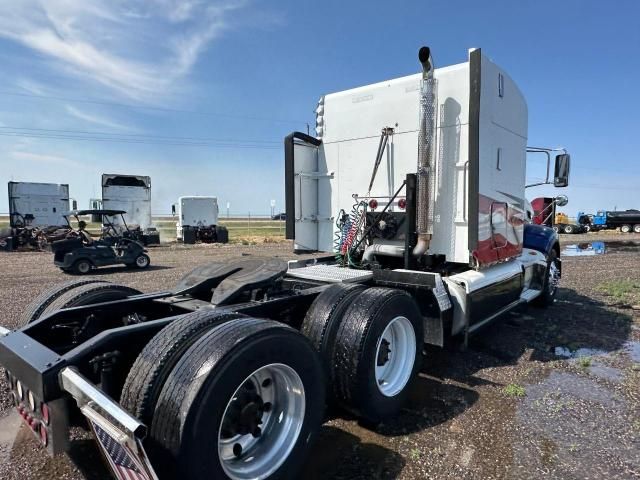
(554, 277)
(395, 356)
(249, 456)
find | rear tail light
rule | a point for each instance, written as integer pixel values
(402, 203)
(44, 436)
(373, 204)
(44, 409)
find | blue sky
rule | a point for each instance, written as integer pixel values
(234, 77)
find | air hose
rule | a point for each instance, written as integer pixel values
(349, 230)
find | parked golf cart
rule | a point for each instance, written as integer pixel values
(79, 253)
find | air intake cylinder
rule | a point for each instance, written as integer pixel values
(426, 154)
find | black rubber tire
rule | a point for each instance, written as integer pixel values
(222, 234)
(626, 229)
(352, 367)
(89, 294)
(156, 360)
(135, 263)
(546, 298)
(636, 228)
(35, 309)
(568, 229)
(78, 267)
(321, 323)
(193, 400)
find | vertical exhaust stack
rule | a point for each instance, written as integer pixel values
(426, 154)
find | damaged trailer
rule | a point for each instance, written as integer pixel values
(36, 215)
(132, 194)
(415, 189)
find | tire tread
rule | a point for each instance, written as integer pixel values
(37, 307)
(157, 359)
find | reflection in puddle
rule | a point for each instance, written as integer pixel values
(587, 249)
(580, 352)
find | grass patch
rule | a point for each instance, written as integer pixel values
(415, 454)
(627, 291)
(584, 362)
(514, 390)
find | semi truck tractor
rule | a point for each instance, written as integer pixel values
(412, 193)
(36, 215)
(544, 213)
(131, 194)
(198, 220)
(43, 204)
(626, 220)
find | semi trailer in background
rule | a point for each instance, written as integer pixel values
(36, 215)
(38, 204)
(198, 220)
(214, 378)
(132, 194)
(626, 220)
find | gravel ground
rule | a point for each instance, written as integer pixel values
(542, 394)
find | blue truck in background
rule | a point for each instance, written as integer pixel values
(626, 220)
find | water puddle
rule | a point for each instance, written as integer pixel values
(633, 348)
(607, 373)
(569, 424)
(587, 249)
(565, 352)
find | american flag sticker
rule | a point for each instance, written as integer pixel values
(120, 457)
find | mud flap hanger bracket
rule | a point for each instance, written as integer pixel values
(118, 434)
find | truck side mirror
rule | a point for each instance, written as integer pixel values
(173, 209)
(561, 200)
(74, 205)
(561, 173)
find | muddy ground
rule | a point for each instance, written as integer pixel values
(541, 394)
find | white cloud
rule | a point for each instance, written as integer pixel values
(95, 119)
(40, 158)
(138, 48)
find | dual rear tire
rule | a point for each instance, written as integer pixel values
(370, 341)
(227, 396)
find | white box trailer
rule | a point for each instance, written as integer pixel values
(45, 202)
(417, 192)
(198, 220)
(131, 193)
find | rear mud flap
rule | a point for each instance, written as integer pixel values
(118, 434)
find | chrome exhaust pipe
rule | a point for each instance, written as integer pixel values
(426, 154)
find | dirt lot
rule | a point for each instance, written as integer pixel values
(541, 394)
